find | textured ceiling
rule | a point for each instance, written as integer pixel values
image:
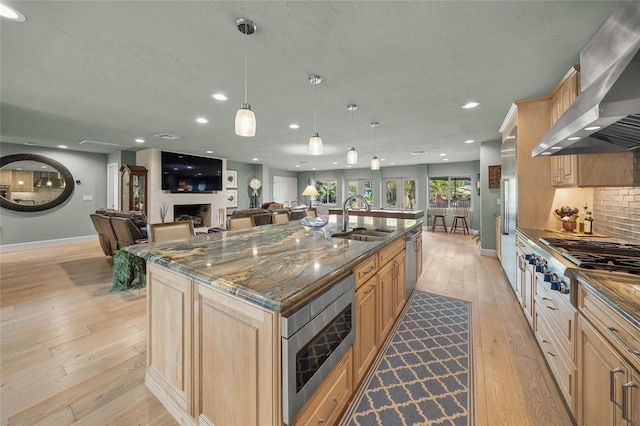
(119, 70)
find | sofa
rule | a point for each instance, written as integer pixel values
(117, 229)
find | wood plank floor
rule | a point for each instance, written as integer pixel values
(73, 353)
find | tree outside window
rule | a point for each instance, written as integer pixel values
(449, 189)
(327, 190)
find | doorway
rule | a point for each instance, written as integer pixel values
(113, 186)
(399, 193)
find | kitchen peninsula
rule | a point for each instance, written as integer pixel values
(215, 304)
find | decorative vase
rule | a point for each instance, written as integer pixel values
(569, 225)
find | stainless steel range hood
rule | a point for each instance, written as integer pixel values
(606, 115)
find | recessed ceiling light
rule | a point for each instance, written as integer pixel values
(445, 159)
(219, 97)
(255, 159)
(592, 128)
(202, 120)
(573, 138)
(297, 165)
(63, 146)
(469, 141)
(43, 167)
(383, 159)
(294, 126)
(140, 140)
(470, 105)
(392, 163)
(12, 14)
(313, 168)
(209, 152)
(335, 162)
(349, 166)
(443, 154)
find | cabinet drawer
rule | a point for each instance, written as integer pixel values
(611, 325)
(562, 367)
(365, 270)
(388, 253)
(559, 313)
(332, 396)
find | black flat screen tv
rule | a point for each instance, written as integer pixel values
(190, 173)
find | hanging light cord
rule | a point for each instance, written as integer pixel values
(315, 107)
(246, 35)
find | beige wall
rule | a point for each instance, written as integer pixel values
(616, 213)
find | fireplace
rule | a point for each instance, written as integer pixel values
(199, 214)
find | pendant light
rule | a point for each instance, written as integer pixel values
(375, 162)
(245, 118)
(315, 143)
(352, 154)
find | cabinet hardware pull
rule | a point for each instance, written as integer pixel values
(368, 271)
(625, 397)
(321, 420)
(552, 354)
(614, 333)
(547, 306)
(612, 392)
(371, 289)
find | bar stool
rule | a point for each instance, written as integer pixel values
(438, 211)
(460, 211)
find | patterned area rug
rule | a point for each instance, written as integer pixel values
(423, 375)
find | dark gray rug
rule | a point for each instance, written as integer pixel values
(423, 375)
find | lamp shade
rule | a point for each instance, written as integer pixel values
(245, 121)
(375, 163)
(310, 191)
(352, 156)
(315, 145)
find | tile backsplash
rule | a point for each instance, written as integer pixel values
(616, 213)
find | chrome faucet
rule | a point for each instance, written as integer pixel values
(345, 209)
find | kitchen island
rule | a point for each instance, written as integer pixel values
(215, 302)
(386, 213)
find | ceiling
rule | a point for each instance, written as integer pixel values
(116, 71)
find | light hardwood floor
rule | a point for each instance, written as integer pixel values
(73, 353)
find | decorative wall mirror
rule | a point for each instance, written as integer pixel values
(31, 183)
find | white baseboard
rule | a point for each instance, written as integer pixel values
(46, 243)
(488, 252)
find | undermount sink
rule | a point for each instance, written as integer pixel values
(363, 234)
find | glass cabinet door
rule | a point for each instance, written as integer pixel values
(133, 188)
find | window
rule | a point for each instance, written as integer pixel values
(363, 187)
(400, 193)
(449, 188)
(327, 190)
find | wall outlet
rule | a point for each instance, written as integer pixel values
(498, 201)
(87, 198)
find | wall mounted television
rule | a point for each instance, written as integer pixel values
(190, 173)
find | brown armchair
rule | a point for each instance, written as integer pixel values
(106, 234)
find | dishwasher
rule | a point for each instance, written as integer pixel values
(411, 253)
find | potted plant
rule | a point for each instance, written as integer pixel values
(128, 271)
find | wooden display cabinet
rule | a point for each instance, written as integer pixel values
(133, 188)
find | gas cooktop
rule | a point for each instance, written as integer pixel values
(597, 254)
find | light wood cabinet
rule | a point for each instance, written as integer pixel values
(419, 255)
(170, 327)
(564, 167)
(5, 177)
(328, 402)
(386, 306)
(608, 365)
(365, 346)
(400, 283)
(133, 188)
(21, 181)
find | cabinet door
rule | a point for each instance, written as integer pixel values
(365, 345)
(236, 366)
(528, 277)
(400, 284)
(169, 299)
(519, 281)
(386, 305)
(633, 399)
(601, 374)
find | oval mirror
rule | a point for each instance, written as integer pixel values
(31, 183)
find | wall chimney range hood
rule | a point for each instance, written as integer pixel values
(606, 115)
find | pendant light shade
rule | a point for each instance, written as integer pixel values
(310, 191)
(375, 163)
(315, 145)
(245, 121)
(245, 118)
(315, 142)
(352, 156)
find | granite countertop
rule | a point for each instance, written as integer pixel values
(273, 266)
(618, 290)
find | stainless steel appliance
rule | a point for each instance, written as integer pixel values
(314, 338)
(508, 207)
(606, 115)
(597, 254)
(411, 253)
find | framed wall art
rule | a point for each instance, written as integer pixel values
(232, 198)
(232, 179)
(495, 173)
